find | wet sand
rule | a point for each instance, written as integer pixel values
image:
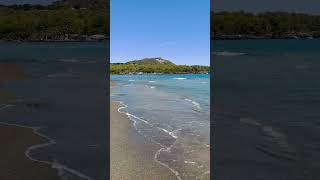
(14, 141)
(132, 156)
(11, 71)
(14, 164)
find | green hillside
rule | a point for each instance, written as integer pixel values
(151, 61)
(155, 65)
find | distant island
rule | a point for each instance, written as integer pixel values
(64, 20)
(156, 66)
(267, 25)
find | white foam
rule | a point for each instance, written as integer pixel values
(226, 53)
(6, 106)
(172, 134)
(179, 78)
(190, 162)
(55, 165)
(163, 148)
(152, 87)
(151, 81)
(131, 80)
(194, 103)
(167, 149)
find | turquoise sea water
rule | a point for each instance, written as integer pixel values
(266, 102)
(172, 111)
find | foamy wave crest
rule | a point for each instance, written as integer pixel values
(195, 104)
(131, 80)
(226, 53)
(152, 81)
(179, 78)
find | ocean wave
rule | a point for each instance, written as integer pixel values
(152, 81)
(131, 80)
(195, 104)
(179, 78)
(227, 53)
(151, 87)
(61, 169)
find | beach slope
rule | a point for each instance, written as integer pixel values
(14, 165)
(132, 156)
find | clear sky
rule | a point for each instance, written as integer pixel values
(177, 30)
(300, 6)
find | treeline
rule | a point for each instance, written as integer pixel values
(160, 68)
(59, 21)
(268, 25)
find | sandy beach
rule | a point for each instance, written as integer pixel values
(14, 165)
(132, 156)
(14, 141)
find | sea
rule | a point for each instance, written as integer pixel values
(172, 111)
(266, 99)
(63, 99)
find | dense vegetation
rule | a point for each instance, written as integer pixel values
(268, 24)
(62, 20)
(155, 65)
(151, 61)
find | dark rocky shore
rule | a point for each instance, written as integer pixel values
(291, 35)
(61, 38)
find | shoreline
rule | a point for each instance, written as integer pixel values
(133, 156)
(56, 167)
(17, 162)
(158, 74)
(20, 140)
(236, 38)
(51, 41)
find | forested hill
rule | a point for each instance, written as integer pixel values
(66, 20)
(155, 65)
(151, 61)
(276, 25)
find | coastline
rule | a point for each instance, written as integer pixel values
(132, 156)
(16, 142)
(49, 41)
(266, 37)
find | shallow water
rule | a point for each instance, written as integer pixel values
(67, 83)
(266, 100)
(173, 112)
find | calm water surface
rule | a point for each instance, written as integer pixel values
(266, 106)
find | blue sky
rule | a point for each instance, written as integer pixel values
(177, 30)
